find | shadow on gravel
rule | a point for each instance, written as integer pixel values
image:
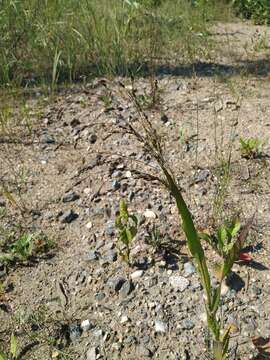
(208, 69)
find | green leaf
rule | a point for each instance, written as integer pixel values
(13, 346)
(234, 229)
(3, 356)
(206, 237)
(123, 210)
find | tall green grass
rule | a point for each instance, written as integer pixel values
(65, 40)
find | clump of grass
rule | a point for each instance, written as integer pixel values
(228, 243)
(66, 40)
(250, 148)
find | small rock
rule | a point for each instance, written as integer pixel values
(110, 228)
(2, 202)
(98, 333)
(74, 122)
(116, 185)
(74, 332)
(47, 139)
(92, 255)
(89, 225)
(189, 269)
(92, 138)
(152, 281)
(86, 325)
(110, 256)
(124, 319)
(126, 289)
(69, 197)
(68, 216)
(202, 176)
(188, 324)
(179, 282)
(136, 274)
(100, 296)
(149, 214)
(224, 289)
(161, 326)
(91, 354)
(116, 283)
(164, 118)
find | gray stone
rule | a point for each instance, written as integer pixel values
(110, 256)
(179, 282)
(68, 216)
(71, 196)
(189, 268)
(110, 228)
(74, 332)
(92, 255)
(47, 139)
(92, 138)
(116, 185)
(116, 283)
(202, 176)
(188, 324)
(100, 296)
(126, 289)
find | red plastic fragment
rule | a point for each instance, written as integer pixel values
(245, 257)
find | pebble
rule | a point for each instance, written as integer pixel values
(188, 324)
(126, 289)
(149, 214)
(164, 119)
(116, 283)
(110, 229)
(68, 216)
(92, 138)
(86, 325)
(47, 139)
(100, 296)
(92, 255)
(179, 282)
(74, 332)
(89, 225)
(189, 268)
(69, 197)
(161, 326)
(110, 256)
(116, 185)
(224, 289)
(124, 319)
(91, 354)
(202, 176)
(136, 274)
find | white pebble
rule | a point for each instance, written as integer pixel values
(136, 274)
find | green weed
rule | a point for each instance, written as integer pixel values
(13, 353)
(250, 148)
(127, 225)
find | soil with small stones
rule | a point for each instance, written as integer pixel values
(67, 177)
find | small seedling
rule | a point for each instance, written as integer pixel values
(250, 148)
(225, 238)
(13, 351)
(127, 225)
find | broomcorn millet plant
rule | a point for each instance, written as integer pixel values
(230, 243)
